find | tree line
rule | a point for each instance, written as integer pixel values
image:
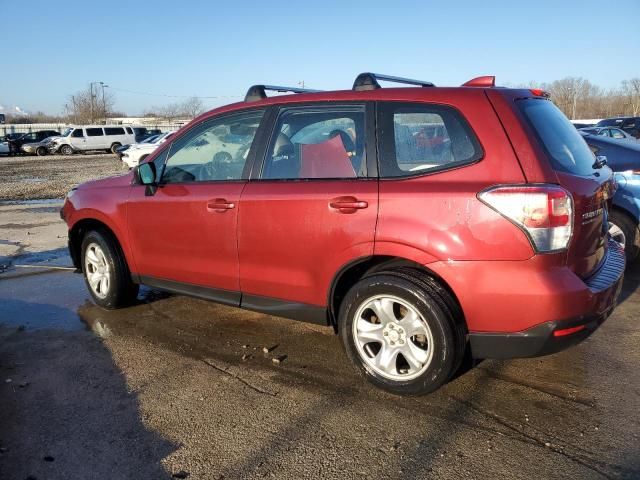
(577, 97)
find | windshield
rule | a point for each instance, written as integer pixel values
(151, 139)
(565, 146)
(66, 132)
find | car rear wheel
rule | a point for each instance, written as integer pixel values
(399, 329)
(66, 150)
(622, 228)
(106, 272)
(41, 151)
(115, 147)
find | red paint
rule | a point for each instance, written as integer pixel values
(288, 239)
(568, 331)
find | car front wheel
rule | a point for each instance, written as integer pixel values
(399, 329)
(66, 150)
(105, 271)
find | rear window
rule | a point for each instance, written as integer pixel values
(114, 131)
(564, 145)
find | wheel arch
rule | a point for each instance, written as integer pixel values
(79, 230)
(355, 270)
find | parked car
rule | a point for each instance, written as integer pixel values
(4, 148)
(611, 132)
(624, 160)
(137, 152)
(583, 125)
(142, 133)
(316, 206)
(631, 125)
(16, 142)
(38, 148)
(91, 137)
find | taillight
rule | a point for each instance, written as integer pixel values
(543, 212)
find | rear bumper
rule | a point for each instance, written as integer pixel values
(535, 307)
(556, 335)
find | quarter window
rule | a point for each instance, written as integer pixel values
(317, 142)
(215, 150)
(417, 139)
(94, 132)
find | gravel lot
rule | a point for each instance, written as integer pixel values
(34, 178)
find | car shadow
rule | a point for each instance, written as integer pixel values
(631, 281)
(65, 409)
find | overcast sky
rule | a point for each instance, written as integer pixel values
(53, 49)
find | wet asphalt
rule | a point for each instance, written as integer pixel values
(176, 387)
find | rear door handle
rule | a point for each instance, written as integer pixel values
(348, 204)
(220, 205)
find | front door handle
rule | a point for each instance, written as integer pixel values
(220, 205)
(348, 204)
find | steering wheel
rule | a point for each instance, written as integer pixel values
(214, 169)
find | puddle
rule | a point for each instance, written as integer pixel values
(42, 300)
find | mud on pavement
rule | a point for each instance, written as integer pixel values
(175, 387)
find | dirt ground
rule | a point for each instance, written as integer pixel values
(32, 178)
(175, 387)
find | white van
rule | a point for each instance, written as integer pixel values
(92, 137)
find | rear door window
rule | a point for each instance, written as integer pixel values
(564, 145)
(114, 131)
(421, 138)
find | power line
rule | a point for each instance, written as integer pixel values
(171, 96)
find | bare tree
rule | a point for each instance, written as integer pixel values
(631, 90)
(88, 106)
(192, 107)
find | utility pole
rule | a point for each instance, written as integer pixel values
(91, 101)
(104, 102)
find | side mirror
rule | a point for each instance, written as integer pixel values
(146, 175)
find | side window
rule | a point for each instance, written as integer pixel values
(114, 131)
(94, 132)
(215, 150)
(615, 133)
(129, 131)
(317, 142)
(78, 133)
(417, 138)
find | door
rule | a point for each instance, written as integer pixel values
(78, 140)
(311, 208)
(186, 232)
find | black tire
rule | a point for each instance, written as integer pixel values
(41, 151)
(121, 291)
(631, 234)
(66, 150)
(114, 147)
(436, 307)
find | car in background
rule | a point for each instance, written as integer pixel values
(120, 150)
(142, 133)
(624, 159)
(38, 148)
(4, 148)
(611, 132)
(16, 143)
(631, 125)
(91, 137)
(583, 125)
(137, 152)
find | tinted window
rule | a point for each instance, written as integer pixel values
(129, 131)
(416, 139)
(317, 143)
(566, 148)
(77, 133)
(214, 150)
(114, 131)
(94, 132)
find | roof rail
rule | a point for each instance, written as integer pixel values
(369, 81)
(486, 81)
(258, 92)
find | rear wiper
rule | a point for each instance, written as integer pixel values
(600, 162)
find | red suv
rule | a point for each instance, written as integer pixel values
(423, 224)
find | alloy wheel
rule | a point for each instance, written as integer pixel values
(97, 270)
